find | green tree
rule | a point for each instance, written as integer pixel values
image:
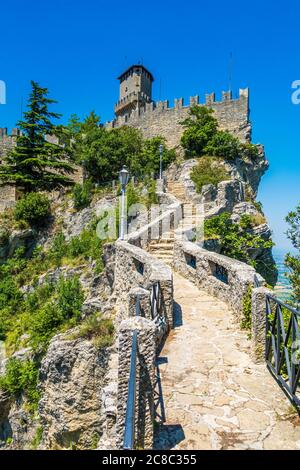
(200, 127)
(34, 208)
(36, 163)
(103, 151)
(149, 160)
(203, 137)
(292, 261)
(225, 145)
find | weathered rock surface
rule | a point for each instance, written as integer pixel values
(9, 243)
(71, 378)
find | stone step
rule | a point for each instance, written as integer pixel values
(165, 239)
(162, 254)
(161, 250)
(165, 259)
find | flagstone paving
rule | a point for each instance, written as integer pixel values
(215, 396)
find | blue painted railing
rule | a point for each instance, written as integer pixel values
(129, 436)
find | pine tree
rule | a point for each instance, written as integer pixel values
(36, 164)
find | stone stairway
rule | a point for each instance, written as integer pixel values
(163, 248)
(177, 189)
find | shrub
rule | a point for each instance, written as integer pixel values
(249, 151)
(101, 330)
(33, 208)
(200, 127)
(21, 377)
(247, 310)
(223, 144)
(37, 438)
(202, 137)
(82, 195)
(208, 171)
(236, 240)
(4, 236)
(63, 309)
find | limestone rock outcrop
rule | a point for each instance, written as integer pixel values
(72, 375)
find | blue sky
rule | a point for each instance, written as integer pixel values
(77, 50)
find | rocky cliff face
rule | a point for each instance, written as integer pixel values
(77, 378)
(72, 376)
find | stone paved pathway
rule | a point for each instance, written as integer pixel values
(215, 397)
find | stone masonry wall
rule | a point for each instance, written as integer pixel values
(159, 119)
(135, 267)
(240, 275)
(145, 380)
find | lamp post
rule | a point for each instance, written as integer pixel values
(124, 177)
(161, 148)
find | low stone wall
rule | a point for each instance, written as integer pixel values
(223, 277)
(135, 268)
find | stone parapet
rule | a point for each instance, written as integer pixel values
(258, 324)
(135, 268)
(221, 276)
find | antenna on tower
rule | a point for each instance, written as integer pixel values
(160, 80)
(21, 107)
(230, 68)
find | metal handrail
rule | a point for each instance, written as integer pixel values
(283, 346)
(155, 300)
(129, 435)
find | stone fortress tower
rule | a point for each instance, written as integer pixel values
(136, 108)
(135, 90)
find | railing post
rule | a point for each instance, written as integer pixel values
(258, 324)
(139, 303)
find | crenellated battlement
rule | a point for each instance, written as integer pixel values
(159, 118)
(7, 141)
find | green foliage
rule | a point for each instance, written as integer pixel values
(208, 171)
(82, 194)
(101, 330)
(50, 308)
(200, 127)
(293, 233)
(63, 309)
(34, 208)
(202, 137)
(236, 240)
(258, 206)
(247, 310)
(21, 377)
(292, 260)
(104, 151)
(35, 163)
(37, 438)
(224, 145)
(148, 162)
